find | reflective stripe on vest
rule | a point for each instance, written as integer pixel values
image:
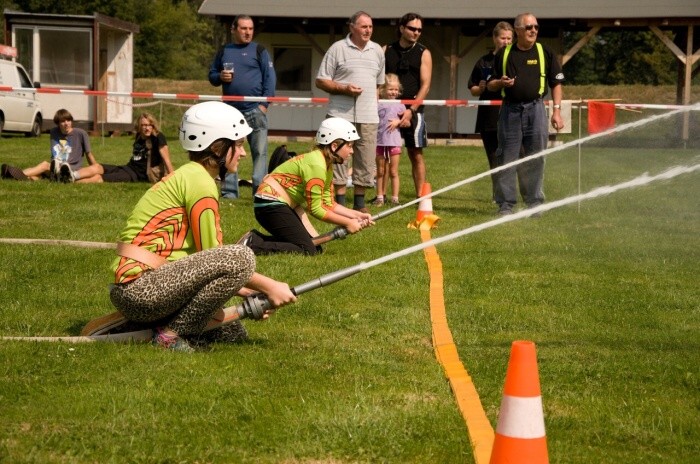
(540, 53)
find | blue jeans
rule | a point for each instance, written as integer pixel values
(257, 140)
(521, 125)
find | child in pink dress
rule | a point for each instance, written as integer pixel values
(389, 140)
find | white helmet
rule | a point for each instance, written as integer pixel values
(336, 128)
(210, 121)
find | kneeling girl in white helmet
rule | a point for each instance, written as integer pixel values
(301, 185)
(173, 269)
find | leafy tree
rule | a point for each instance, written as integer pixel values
(174, 41)
(621, 57)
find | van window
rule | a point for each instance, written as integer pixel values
(24, 80)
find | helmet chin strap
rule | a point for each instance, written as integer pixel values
(334, 154)
(222, 154)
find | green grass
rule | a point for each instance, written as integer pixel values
(608, 291)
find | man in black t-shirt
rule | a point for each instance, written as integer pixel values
(530, 68)
(413, 63)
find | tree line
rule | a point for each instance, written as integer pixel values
(174, 41)
(177, 43)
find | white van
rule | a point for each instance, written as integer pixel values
(19, 110)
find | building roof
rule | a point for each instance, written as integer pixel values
(20, 17)
(494, 9)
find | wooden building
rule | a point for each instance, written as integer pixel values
(457, 33)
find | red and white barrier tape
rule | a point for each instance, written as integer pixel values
(287, 100)
(233, 98)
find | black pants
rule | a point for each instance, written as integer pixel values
(288, 232)
(490, 139)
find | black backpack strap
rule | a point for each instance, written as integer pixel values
(279, 156)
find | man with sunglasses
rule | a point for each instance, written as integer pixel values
(522, 73)
(413, 63)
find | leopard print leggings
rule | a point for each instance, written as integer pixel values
(186, 293)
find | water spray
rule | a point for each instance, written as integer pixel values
(255, 306)
(341, 232)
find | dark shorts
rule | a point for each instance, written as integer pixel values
(120, 174)
(416, 136)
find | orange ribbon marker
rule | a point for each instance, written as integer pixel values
(480, 431)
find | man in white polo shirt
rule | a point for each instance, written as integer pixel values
(350, 72)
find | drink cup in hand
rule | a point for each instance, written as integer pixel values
(228, 68)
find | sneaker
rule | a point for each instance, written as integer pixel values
(362, 210)
(66, 174)
(11, 172)
(376, 201)
(170, 342)
(394, 202)
(505, 211)
(245, 239)
(54, 170)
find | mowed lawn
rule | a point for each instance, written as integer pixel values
(607, 289)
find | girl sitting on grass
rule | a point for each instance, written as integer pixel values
(173, 270)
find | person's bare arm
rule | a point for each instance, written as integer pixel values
(90, 158)
(278, 293)
(426, 75)
(496, 85)
(557, 94)
(338, 88)
(165, 156)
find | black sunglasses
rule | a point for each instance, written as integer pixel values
(529, 27)
(414, 29)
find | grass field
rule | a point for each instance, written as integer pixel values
(608, 290)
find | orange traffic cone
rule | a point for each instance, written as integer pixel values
(520, 436)
(425, 219)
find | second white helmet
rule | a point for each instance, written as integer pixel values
(205, 123)
(336, 128)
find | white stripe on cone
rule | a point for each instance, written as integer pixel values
(521, 417)
(426, 206)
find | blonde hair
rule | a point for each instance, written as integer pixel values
(151, 120)
(390, 78)
(502, 26)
